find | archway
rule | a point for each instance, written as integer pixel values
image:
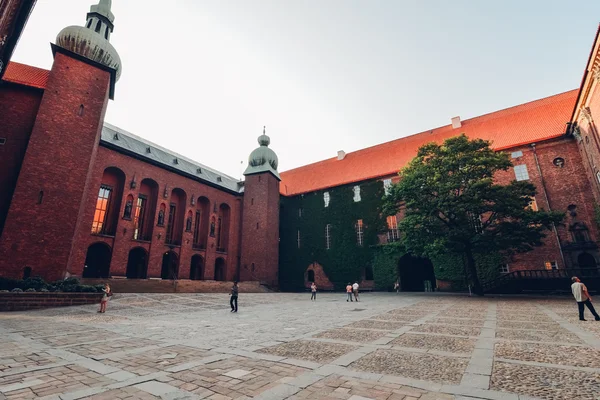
(220, 269)
(97, 261)
(311, 275)
(137, 267)
(170, 265)
(415, 273)
(586, 260)
(197, 268)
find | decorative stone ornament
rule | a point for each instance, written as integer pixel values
(559, 162)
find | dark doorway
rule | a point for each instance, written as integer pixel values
(137, 266)
(586, 260)
(415, 273)
(197, 268)
(170, 265)
(26, 272)
(311, 275)
(97, 261)
(219, 269)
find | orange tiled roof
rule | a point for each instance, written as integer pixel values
(26, 75)
(523, 124)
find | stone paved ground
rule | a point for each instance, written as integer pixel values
(283, 346)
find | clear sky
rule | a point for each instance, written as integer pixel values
(201, 77)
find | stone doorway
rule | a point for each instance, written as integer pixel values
(415, 274)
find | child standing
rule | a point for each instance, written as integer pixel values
(313, 289)
(349, 292)
(105, 297)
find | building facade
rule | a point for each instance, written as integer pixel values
(80, 197)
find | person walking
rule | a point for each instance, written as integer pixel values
(583, 298)
(349, 292)
(313, 290)
(355, 291)
(107, 295)
(233, 301)
(397, 286)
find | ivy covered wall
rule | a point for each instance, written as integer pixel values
(346, 260)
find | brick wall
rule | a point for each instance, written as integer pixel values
(58, 163)
(18, 108)
(181, 286)
(122, 242)
(260, 229)
(30, 301)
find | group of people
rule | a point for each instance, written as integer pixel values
(579, 290)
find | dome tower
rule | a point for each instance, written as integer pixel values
(263, 159)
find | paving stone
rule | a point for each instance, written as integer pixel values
(156, 388)
(236, 373)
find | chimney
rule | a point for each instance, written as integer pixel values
(456, 123)
(341, 155)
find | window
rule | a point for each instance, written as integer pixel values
(300, 212)
(360, 235)
(551, 265)
(298, 238)
(2, 141)
(387, 186)
(516, 154)
(197, 228)
(392, 233)
(101, 213)
(476, 222)
(328, 236)
(170, 222)
(98, 26)
(533, 205)
(521, 173)
(326, 197)
(504, 269)
(139, 218)
(356, 190)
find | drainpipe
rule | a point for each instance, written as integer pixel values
(537, 163)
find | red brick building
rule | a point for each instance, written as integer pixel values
(129, 208)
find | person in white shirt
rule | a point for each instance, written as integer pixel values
(355, 290)
(582, 297)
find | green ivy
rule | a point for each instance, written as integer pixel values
(450, 267)
(385, 265)
(345, 261)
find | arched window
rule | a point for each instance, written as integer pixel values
(201, 223)
(175, 221)
(98, 26)
(197, 267)
(108, 202)
(145, 208)
(137, 263)
(223, 228)
(170, 265)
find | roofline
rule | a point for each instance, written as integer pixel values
(19, 22)
(166, 167)
(434, 129)
(393, 173)
(585, 74)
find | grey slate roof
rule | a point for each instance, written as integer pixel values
(130, 143)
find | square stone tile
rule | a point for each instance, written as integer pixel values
(236, 373)
(309, 350)
(435, 342)
(352, 335)
(549, 353)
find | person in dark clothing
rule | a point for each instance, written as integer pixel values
(234, 297)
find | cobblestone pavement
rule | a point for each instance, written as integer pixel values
(283, 346)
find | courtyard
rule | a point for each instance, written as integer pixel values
(283, 346)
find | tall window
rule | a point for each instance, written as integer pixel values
(219, 225)
(356, 190)
(197, 228)
(387, 186)
(326, 199)
(101, 213)
(328, 236)
(298, 239)
(475, 220)
(360, 235)
(551, 265)
(521, 173)
(392, 233)
(171, 222)
(139, 218)
(533, 205)
(300, 212)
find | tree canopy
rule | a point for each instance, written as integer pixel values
(451, 203)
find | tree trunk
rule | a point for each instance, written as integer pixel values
(472, 269)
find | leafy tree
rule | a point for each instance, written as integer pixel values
(452, 204)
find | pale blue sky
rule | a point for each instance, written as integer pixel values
(201, 77)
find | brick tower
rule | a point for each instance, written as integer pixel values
(260, 217)
(46, 207)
